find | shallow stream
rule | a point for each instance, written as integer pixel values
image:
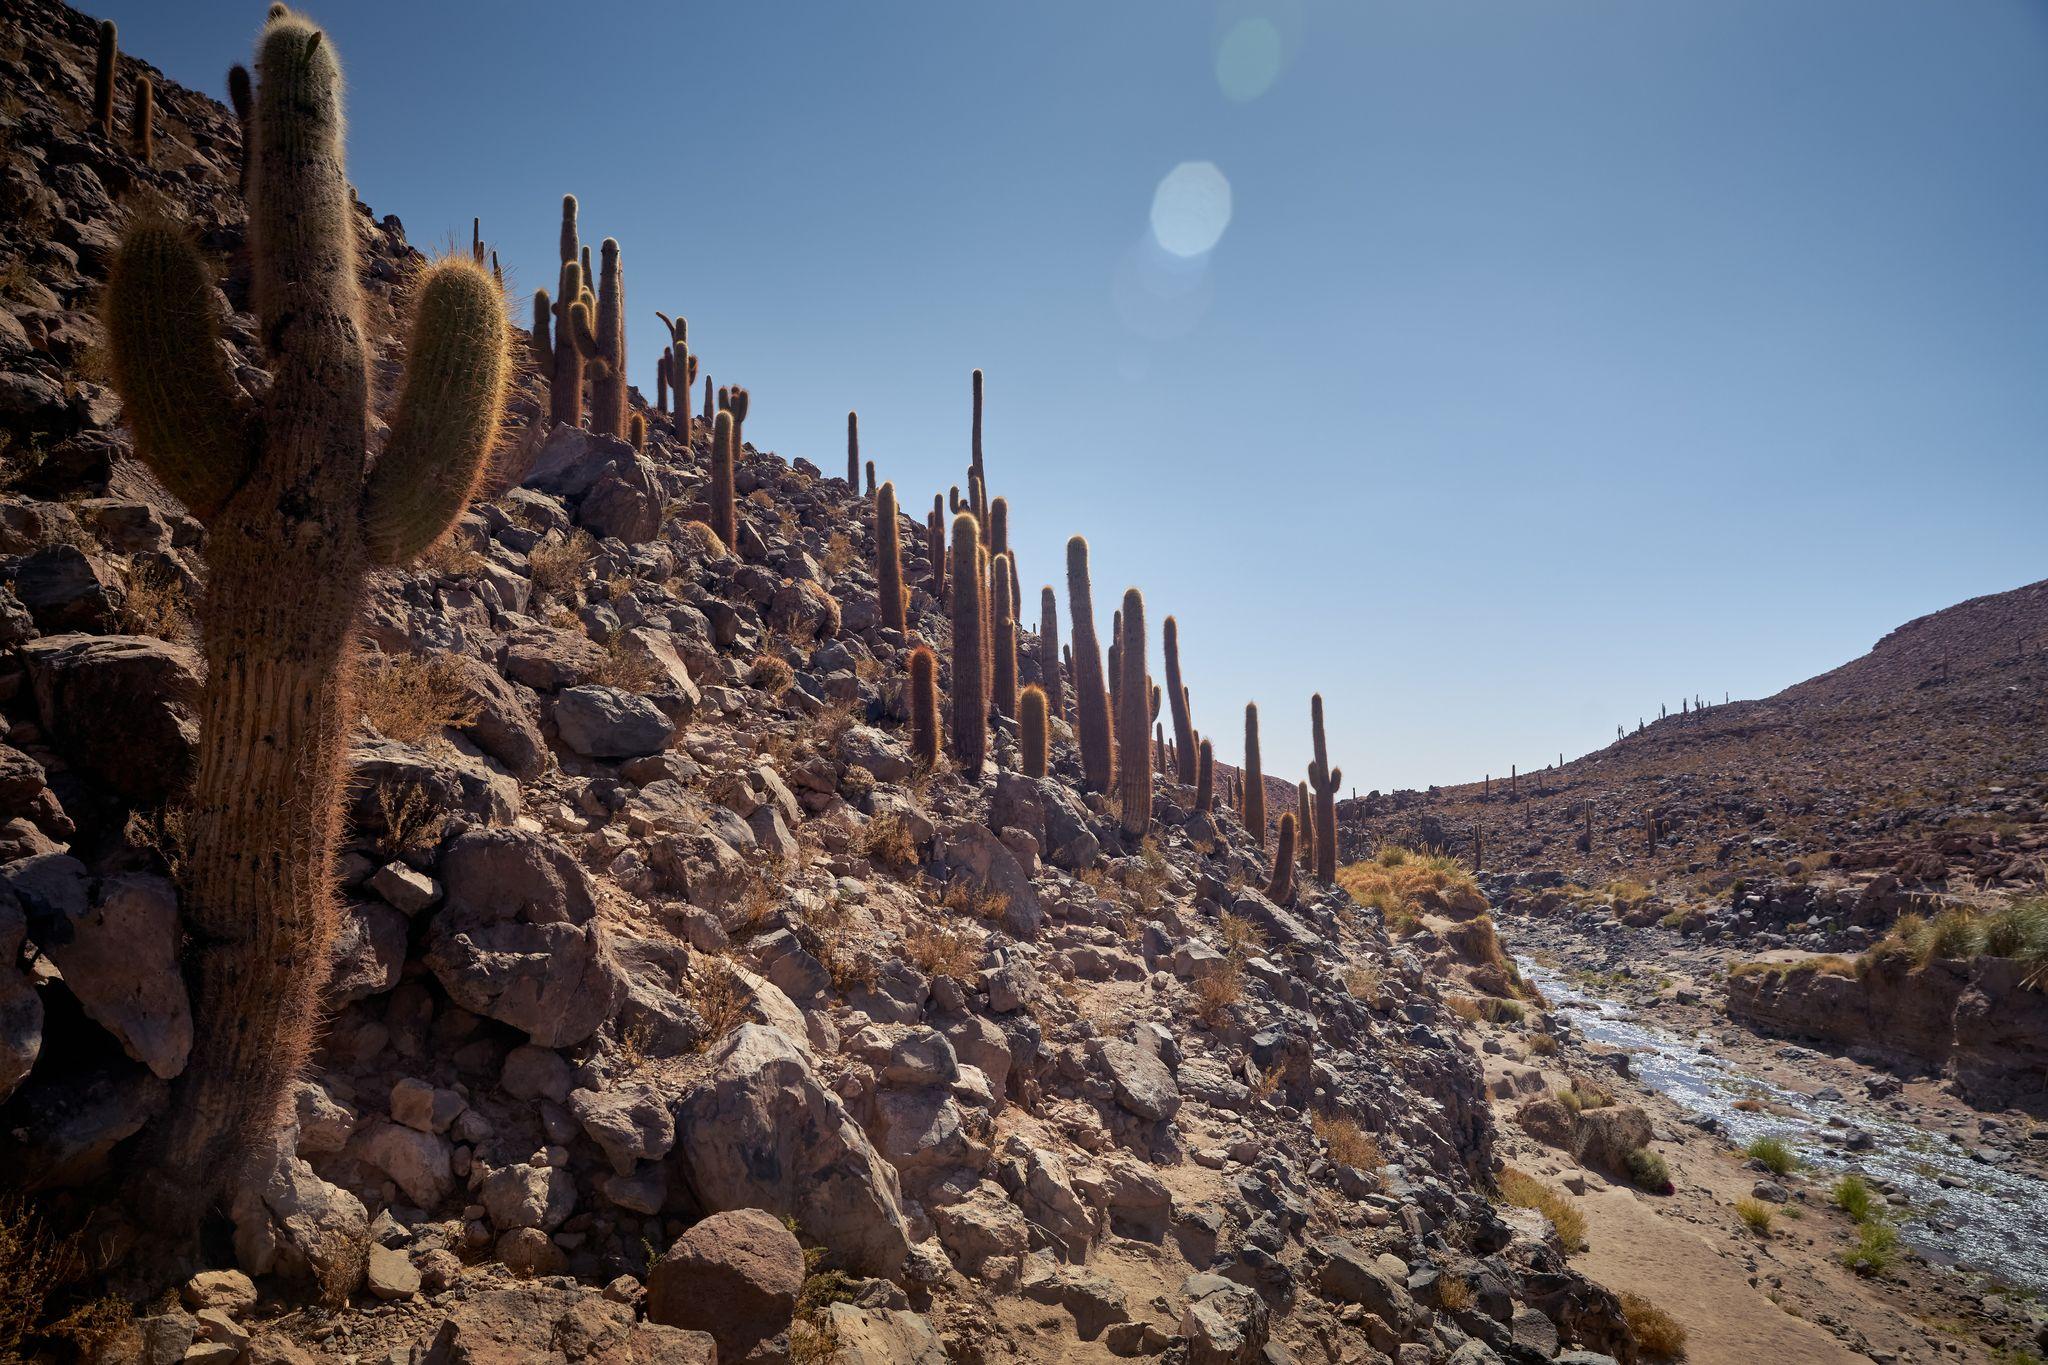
(1954, 1208)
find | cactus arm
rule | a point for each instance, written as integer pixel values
(578, 326)
(163, 341)
(447, 414)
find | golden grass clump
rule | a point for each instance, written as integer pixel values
(1525, 1191)
(887, 839)
(1218, 990)
(937, 951)
(413, 697)
(1660, 1335)
(720, 998)
(558, 566)
(1395, 880)
(771, 675)
(1349, 1144)
(1756, 1215)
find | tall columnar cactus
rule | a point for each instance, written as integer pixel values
(103, 105)
(889, 559)
(709, 407)
(1091, 696)
(568, 247)
(1304, 828)
(608, 370)
(1205, 778)
(980, 473)
(142, 123)
(924, 708)
(871, 478)
(1049, 651)
(970, 646)
(563, 352)
(297, 515)
(725, 512)
(682, 368)
(1116, 670)
(1254, 802)
(737, 401)
(999, 526)
(935, 547)
(1033, 729)
(1134, 774)
(1280, 890)
(977, 503)
(636, 431)
(1183, 723)
(661, 384)
(239, 99)
(1325, 780)
(1002, 638)
(853, 450)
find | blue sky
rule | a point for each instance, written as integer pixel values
(1558, 357)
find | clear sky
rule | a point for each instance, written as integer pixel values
(1557, 357)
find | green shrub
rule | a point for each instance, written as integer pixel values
(1776, 1157)
(1756, 1215)
(1876, 1249)
(1853, 1196)
(1647, 1171)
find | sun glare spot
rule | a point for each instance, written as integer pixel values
(1191, 208)
(1248, 59)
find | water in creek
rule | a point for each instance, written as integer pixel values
(1958, 1211)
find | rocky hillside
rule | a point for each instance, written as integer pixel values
(1911, 774)
(676, 1013)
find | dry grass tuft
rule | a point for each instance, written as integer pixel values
(771, 675)
(1217, 991)
(1756, 1215)
(1656, 1331)
(1241, 938)
(627, 668)
(719, 997)
(1349, 1144)
(450, 558)
(1453, 1293)
(937, 951)
(1394, 880)
(413, 697)
(838, 556)
(36, 1265)
(558, 567)
(1525, 1191)
(887, 840)
(412, 823)
(155, 604)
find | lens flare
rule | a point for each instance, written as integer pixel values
(1248, 58)
(1191, 208)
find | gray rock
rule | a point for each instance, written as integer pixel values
(1144, 1085)
(609, 722)
(292, 1224)
(119, 957)
(121, 707)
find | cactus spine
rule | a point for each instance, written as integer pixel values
(970, 643)
(1033, 730)
(294, 526)
(1134, 774)
(1049, 651)
(1326, 780)
(924, 708)
(1183, 723)
(1281, 889)
(889, 559)
(1091, 699)
(853, 450)
(103, 89)
(1254, 780)
(1002, 638)
(142, 125)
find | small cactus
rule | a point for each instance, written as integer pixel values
(1049, 651)
(297, 516)
(725, 512)
(678, 368)
(924, 708)
(103, 97)
(1183, 722)
(1280, 890)
(1254, 781)
(1033, 729)
(889, 559)
(1304, 829)
(142, 124)
(1326, 781)
(239, 99)
(1091, 697)
(608, 373)
(1134, 774)
(853, 450)
(709, 408)
(1002, 638)
(970, 684)
(636, 431)
(1205, 779)
(871, 478)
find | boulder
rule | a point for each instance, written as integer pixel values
(735, 1275)
(528, 1197)
(555, 1322)
(883, 1336)
(763, 1131)
(971, 854)
(292, 1224)
(502, 728)
(119, 957)
(624, 504)
(420, 1164)
(609, 722)
(1225, 1323)
(64, 1126)
(517, 937)
(1144, 1085)
(123, 708)
(65, 590)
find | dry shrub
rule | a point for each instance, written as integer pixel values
(1394, 879)
(887, 840)
(449, 557)
(755, 906)
(1542, 1044)
(413, 697)
(838, 556)
(937, 951)
(557, 566)
(1756, 1215)
(1241, 938)
(1583, 1094)
(1217, 991)
(155, 604)
(1269, 1083)
(1453, 1293)
(1349, 1144)
(719, 997)
(627, 668)
(412, 823)
(1364, 980)
(36, 1264)
(771, 675)
(1525, 1191)
(981, 902)
(1656, 1331)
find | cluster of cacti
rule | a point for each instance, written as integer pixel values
(104, 65)
(889, 560)
(1033, 731)
(1092, 720)
(564, 336)
(297, 516)
(1325, 780)
(1134, 774)
(924, 708)
(970, 646)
